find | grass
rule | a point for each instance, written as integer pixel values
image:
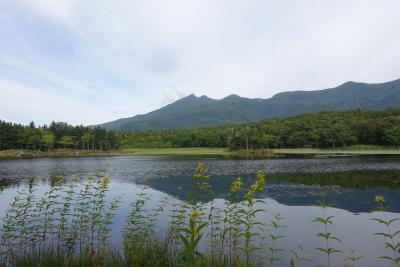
(199, 151)
(177, 151)
(25, 153)
(203, 151)
(353, 150)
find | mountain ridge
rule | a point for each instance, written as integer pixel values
(193, 111)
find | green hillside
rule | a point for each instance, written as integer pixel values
(194, 112)
(325, 129)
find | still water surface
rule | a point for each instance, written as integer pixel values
(294, 187)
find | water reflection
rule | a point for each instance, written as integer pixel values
(350, 192)
(349, 183)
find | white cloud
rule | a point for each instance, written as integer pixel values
(21, 103)
(129, 57)
(59, 9)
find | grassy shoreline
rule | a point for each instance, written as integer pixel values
(339, 151)
(199, 151)
(8, 154)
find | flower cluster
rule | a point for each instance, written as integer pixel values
(194, 214)
(105, 182)
(201, 172)
(236, 185)
(257, 186)
(379, 199)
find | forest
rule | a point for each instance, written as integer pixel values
(330, 129)
(55, 135)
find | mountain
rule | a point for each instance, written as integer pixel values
(193, 111)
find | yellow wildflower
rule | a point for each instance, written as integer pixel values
(105, 182)
(201, 171)
(194, 214)
(379, 199)
(236, 185)
(261, 178)
(259, 184)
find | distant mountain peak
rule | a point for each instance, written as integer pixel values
(192, 111)
(232, 97)
(349, 83)
(191, 96)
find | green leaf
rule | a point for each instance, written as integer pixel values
(393, 220)
(387, 258)
(185, 242)
(396, 233)
(380, 221)
(383, 234)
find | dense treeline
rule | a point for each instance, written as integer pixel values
(56, 135)
(320, 130)
(317, 130)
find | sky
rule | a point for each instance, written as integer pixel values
(93, 61)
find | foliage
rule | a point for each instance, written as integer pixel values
(70, 224)
(195, 112)
(61, 228)
(392, 242)
(56, 135)
(331, 129)
(326, 236)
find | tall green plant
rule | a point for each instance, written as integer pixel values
(191, 233)
(326, 236)
(275, 236)
(141, 247)
(390, 236)
(247, 219)
(46, 231)
(352, 259)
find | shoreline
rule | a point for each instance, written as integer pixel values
(200, 151)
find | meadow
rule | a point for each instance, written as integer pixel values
(203, 151)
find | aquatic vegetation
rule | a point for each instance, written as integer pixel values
(391, 237)
(190, 237)
(70, 225)
(352, 259)
(326, 236)
(275, 236)
(247, 218)
(298, 256)
(60, 227)
(141, 248)
(191, 233)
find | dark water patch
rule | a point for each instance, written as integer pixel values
(350, 183)
(295, 190)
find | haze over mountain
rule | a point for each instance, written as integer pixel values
(192, 111)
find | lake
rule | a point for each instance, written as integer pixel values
(294, 187)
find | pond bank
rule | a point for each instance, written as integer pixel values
(198, 151)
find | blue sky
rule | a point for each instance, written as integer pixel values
(92, 61)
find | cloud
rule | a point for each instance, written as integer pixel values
(20, 103)
(120, 58)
